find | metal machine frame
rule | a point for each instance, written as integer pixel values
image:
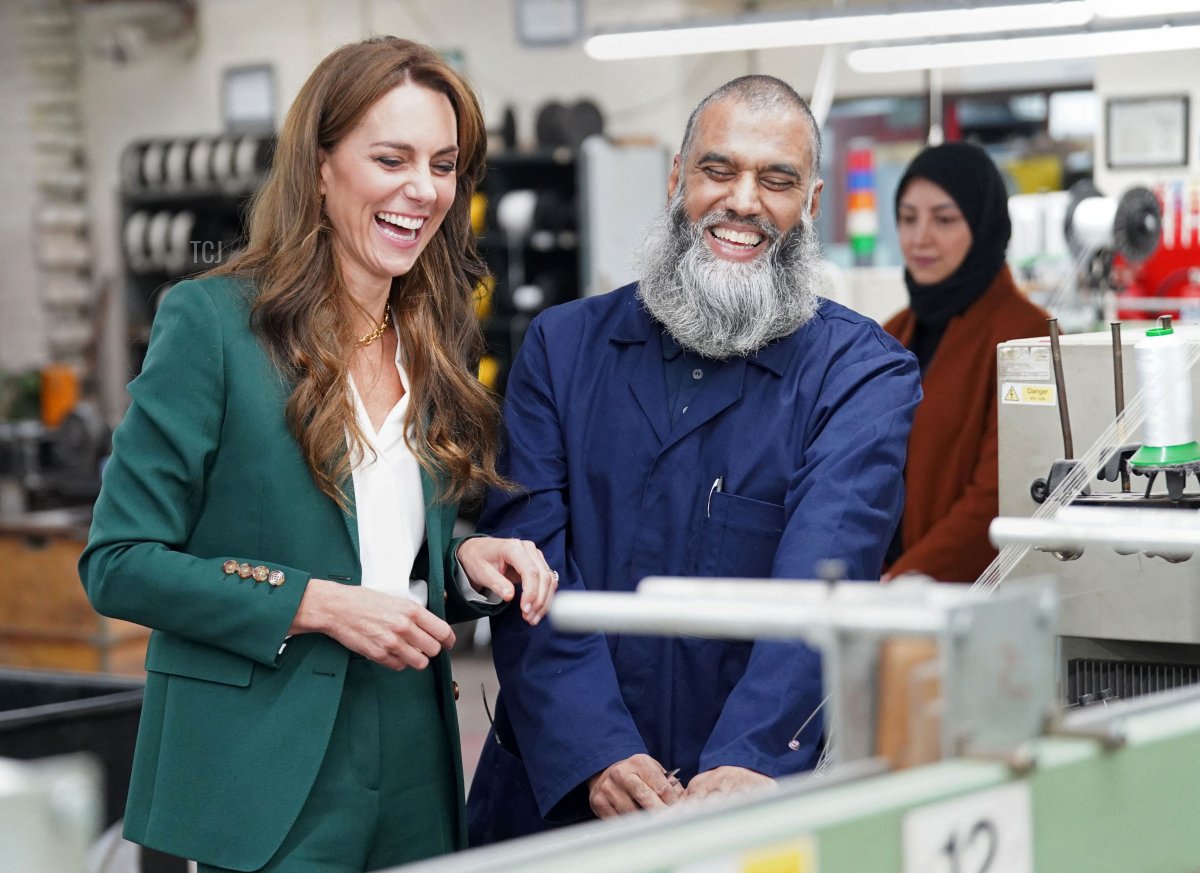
(1097, 795)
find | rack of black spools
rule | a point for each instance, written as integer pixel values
(183, 210)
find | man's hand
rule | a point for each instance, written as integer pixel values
(726, 780)
(636, 783)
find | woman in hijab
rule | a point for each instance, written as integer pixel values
(952, 217)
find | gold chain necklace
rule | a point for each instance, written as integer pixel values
(377, 332)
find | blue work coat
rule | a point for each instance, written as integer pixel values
(807, 438)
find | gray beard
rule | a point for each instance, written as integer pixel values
(722, 309)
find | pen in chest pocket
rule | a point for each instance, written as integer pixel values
(717, 486)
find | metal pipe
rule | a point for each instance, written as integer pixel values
(1119, 389)
(852, 597)
(1124, 531)
(801, 592)
(1064, 417)
(617, 612)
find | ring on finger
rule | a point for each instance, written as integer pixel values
(554, 576)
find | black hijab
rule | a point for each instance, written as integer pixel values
(967, 174)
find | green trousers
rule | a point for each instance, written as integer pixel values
(385, 794)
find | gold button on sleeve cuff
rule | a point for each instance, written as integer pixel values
(244, 570)
(230, 567)
(260, 573)
(276, 578)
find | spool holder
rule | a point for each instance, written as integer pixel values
(1176, 479)
(1061, 468)
(1118, 465)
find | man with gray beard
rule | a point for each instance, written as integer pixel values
(718, 418)
(719, 308)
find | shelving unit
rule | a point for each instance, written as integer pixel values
(579, 216)
(537, 264)
(61, 220)
(183, 211)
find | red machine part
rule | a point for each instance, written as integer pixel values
(1173, 270)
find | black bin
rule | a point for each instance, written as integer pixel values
(45, 713)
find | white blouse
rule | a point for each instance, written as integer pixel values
(388, 500)
(390, 504)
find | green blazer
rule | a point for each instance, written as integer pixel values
(204, 470)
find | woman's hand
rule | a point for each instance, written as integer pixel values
(393, 631)
(497, 565)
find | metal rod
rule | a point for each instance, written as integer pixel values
(1064, 417)
(615, 612)
(845, 601)
(1119, 388)
(1125, 531)
(799, 592)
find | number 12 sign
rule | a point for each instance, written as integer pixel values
(988, 832)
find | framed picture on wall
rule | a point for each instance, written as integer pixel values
(1147, 131)
(248, 98)
(548, 22)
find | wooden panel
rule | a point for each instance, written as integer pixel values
(42, 587)
(46, 620)
(48, 654)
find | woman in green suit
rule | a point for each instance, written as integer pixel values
(279, 502)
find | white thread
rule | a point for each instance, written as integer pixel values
(1067, 289)
(1161, 363)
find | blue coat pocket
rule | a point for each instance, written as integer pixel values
(740, 537)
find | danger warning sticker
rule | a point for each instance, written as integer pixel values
(1027, 392)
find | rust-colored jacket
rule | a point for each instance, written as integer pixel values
(951, 477)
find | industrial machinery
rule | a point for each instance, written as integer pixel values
(956, 670)
(1167, 280)
(45, 467)
(1015, 725)
(1014, 783)
(1143, 245)
(1129, 617)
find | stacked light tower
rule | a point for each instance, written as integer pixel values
(862, 217)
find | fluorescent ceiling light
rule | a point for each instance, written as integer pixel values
(762, 34)
(1142, 8)
(928, 56)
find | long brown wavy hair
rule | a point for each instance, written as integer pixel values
(303, 311)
